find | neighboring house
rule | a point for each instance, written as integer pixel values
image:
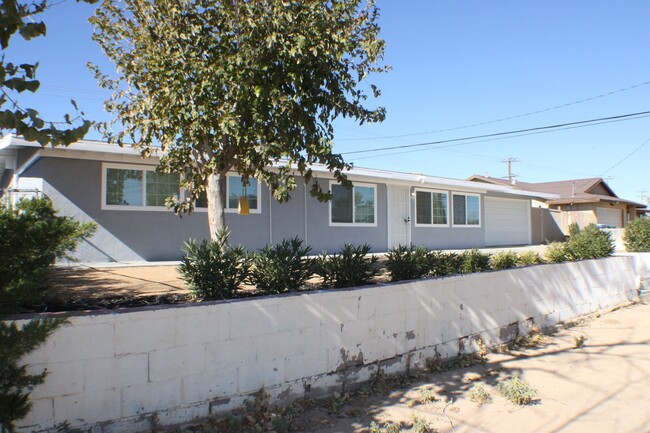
(122, 193)
(581, 201)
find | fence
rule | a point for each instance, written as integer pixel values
(120, 370)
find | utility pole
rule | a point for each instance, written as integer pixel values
(642, 195)
(509, 161)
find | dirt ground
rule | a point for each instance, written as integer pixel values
(601, 387)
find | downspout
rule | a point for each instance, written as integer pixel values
(270, 218)
(18, 171)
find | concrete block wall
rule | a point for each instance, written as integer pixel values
(116, 371)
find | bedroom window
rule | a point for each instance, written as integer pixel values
(132, 187)
(467, 210)
(234, 190)
(354, 206)
(431, 208)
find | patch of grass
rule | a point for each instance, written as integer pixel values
(420, 425)
(427, 396)
(517, 391)
(579, 342)
(479, 395)
(388, 427)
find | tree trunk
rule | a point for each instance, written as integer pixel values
(216, 193)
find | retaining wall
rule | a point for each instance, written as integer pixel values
(118, 370)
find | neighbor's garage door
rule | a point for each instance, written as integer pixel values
(610, 217)
(507, 221)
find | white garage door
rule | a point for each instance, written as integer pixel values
(507, 221)
(610, 217)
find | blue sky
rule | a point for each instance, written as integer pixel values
(456, 64)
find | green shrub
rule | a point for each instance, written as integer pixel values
(32, 237)
(517, 391)
(474, 261)
(637, 236)
(504, 260)
(529, 258)
(557, 252)
(349, 268)
(442, 263)
(408, 263)
(283, 267)
(214, 269)
(590, 243)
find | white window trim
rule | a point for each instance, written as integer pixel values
(143, 207)
(480, 207)
(416, 208)
(236, 210)
(353, 224)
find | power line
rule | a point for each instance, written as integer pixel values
(538, 129)
(501, 119)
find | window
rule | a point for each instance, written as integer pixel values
(356, 205)
(431, 208)
(467, 211)
(138, 187)
(235, 190)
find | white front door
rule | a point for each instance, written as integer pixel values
(399, 215)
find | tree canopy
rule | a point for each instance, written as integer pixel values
(233, 85)
(22, 18)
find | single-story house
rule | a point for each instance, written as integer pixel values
(581, 201)
(120, 190)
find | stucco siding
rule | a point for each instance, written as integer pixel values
(324, 237)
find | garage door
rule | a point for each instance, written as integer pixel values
(507, 221)
(610, 217)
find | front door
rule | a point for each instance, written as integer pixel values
(399, 215)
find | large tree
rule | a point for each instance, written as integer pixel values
(247, 86)
(23, 18)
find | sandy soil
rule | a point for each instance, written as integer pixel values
(599, 388)
(93, 283)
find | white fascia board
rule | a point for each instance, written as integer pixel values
(99, 150)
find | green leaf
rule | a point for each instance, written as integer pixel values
(32, 30)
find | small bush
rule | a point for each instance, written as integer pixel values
(479, 395)
(32, 237)
(214, 269)
(589, 243)
(283, 267)
(442, 263)
(637, 236)
(474, 261)
(504, 260)
(517, 391)
(529, 258)
(349, 268)
(557, 253)
(408, 263)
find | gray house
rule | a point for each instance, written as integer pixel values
(122, 193)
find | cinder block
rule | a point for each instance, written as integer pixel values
(63, 378)
(41, 416)
(209, 386)
(206, 325)
(150, 397)
(389, 303)
(304, 365)
(229, 354)
(184, 414)
(253, 319)
(79, 341)
(252, 377)
(87, 407)
(182, 361)
(144, 333)
(116, 372)
(298, 312)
